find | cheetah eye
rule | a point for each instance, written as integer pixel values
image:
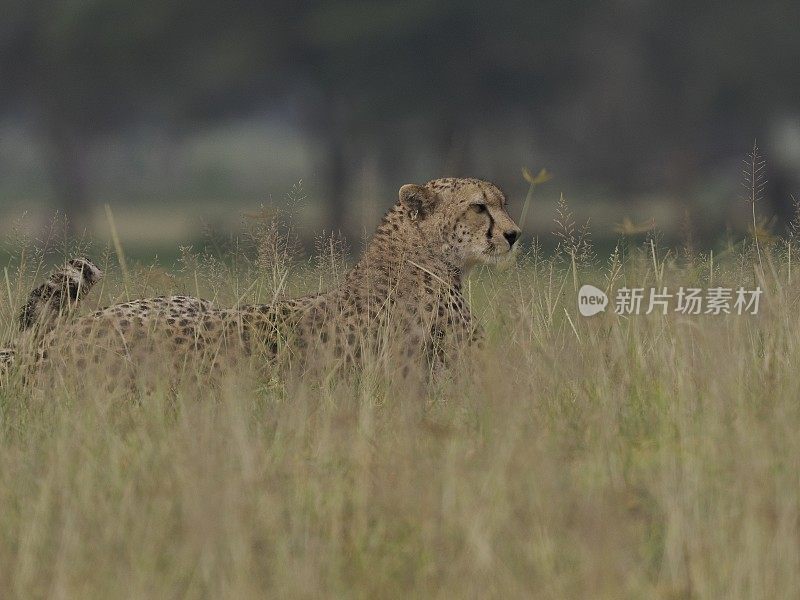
(478, 208)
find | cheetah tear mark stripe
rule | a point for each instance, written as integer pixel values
(489, 232)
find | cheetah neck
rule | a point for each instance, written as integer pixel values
(398, 246)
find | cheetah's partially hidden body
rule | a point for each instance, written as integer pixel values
(404, 295)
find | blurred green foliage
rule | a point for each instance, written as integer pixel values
(635, 94)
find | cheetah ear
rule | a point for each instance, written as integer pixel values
(419, 200)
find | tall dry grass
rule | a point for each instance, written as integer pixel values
(641, 457)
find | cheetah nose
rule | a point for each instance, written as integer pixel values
(511, 235)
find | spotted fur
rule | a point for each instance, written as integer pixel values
(59, 294)
(52, 301)
(405, 294)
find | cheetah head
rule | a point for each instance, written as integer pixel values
(467, 216)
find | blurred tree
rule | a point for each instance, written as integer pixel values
(640, 94)
(82, 67)
(442, 63)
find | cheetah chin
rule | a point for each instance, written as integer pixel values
(500, 261)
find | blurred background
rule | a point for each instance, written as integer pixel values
(186, 117)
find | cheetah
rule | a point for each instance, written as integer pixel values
(405, 294)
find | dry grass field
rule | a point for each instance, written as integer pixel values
(649, 456)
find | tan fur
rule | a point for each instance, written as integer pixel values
(405, 293)
(52, 302)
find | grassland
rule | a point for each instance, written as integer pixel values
(651, 456)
